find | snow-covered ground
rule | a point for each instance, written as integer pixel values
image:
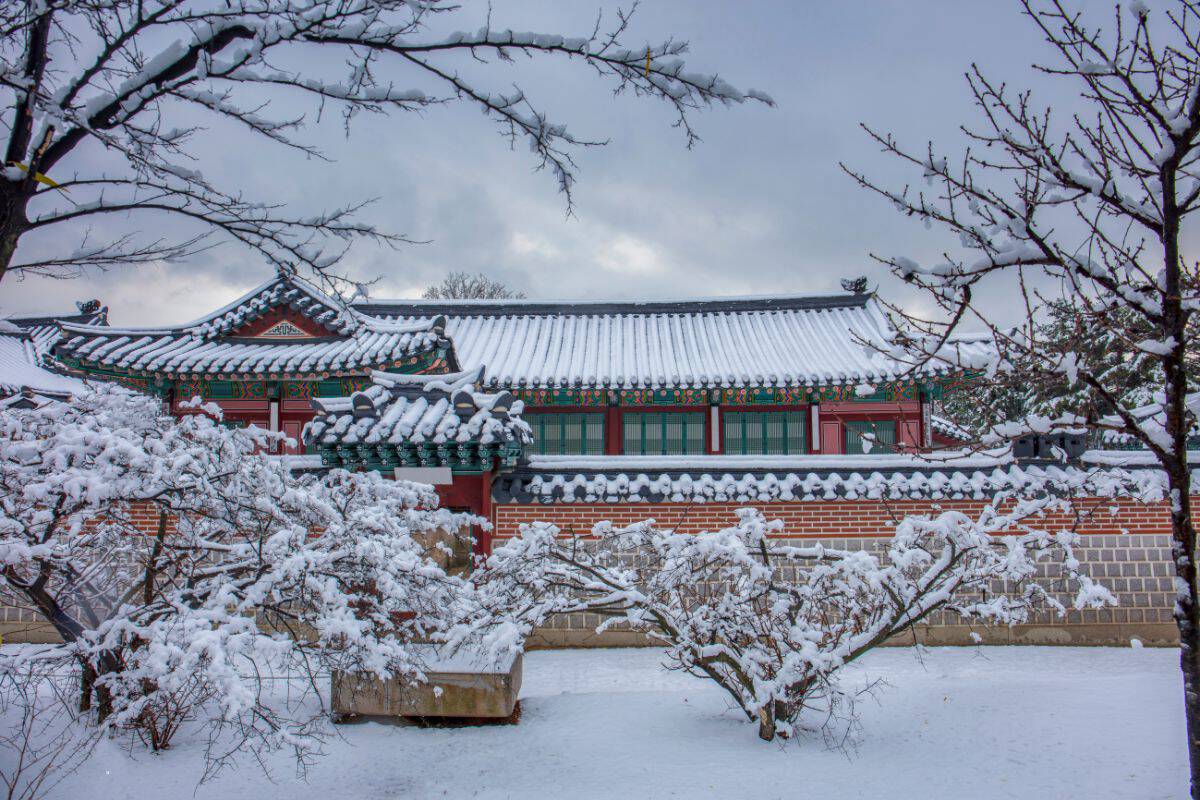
(1001, 722)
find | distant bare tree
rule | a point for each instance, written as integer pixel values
(103, 97)
(45, 739)
(1092, 205)
(463, 286)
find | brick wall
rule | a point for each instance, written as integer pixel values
(1127, 547)
(21, 623)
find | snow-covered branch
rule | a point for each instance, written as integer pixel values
(182, 566)
(120, 77)
(772, 623)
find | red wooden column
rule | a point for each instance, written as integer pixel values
(612, 430)
(713, 443)
(471, 493)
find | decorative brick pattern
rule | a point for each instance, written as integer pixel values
(1127, 548)
(817, 519)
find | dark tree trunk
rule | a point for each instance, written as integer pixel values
(1187, 609)
(87, 683)
(15, 194)
(1183, 531)
(12, 224)
(766, 722)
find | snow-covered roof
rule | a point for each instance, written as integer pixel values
(419, 409)
(44, 330)
(948, 429)
(208, 347)
(23, 368)
(708, 479)
(732, 342)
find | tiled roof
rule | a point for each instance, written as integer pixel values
(44, 330)
(205, 348)
(723, 479)
(22, 367)
(769, 342)
(419, 409)
(949, 429)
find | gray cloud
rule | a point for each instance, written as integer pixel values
(759, 207)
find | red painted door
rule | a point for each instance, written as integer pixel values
(831, 437)
(292, 430)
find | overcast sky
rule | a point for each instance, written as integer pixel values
(759, 207)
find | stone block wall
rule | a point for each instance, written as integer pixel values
(1126, 547)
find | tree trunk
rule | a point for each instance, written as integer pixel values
(15, 194)
(1175, 464)
(766, 722)
(1187, 608)
(108, 663)
(87, 683)
(12, 225)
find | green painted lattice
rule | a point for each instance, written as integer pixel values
(663, 433)
(882, 434)
(772, 433)
(567, 433)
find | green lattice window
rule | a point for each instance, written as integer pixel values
(663, 433)
(882, 435)
(568, 434)
(771, 433)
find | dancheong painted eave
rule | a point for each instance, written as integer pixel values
(349, 343)
(425, 420)
(776, 341)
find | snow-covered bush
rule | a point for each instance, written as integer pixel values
(183, 567)
(772, 623)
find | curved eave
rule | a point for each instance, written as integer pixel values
(357, 371)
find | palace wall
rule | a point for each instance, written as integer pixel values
(1126, 546)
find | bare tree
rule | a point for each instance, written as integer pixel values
(44, 740)
(1092, 205)
(464, 286)
(125, 79)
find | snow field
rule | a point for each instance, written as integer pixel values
(1003, 722)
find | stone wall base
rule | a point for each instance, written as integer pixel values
(28, 632)
(1150, 634)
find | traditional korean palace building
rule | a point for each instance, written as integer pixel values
(575, 412)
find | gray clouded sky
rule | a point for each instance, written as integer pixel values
(759, 207)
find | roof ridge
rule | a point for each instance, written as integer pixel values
(587, 307)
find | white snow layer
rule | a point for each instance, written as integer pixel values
(418, 409)
(796, 344)
(742, 479)
(361, 342)
(985, 723)
(21, 368)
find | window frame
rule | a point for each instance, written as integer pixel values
(849, 424)
(531, 415)
(685, 412)
(803, 413)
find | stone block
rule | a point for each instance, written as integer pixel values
(459, 686)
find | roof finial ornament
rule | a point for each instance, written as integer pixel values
(87, 306)
(857, 285)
